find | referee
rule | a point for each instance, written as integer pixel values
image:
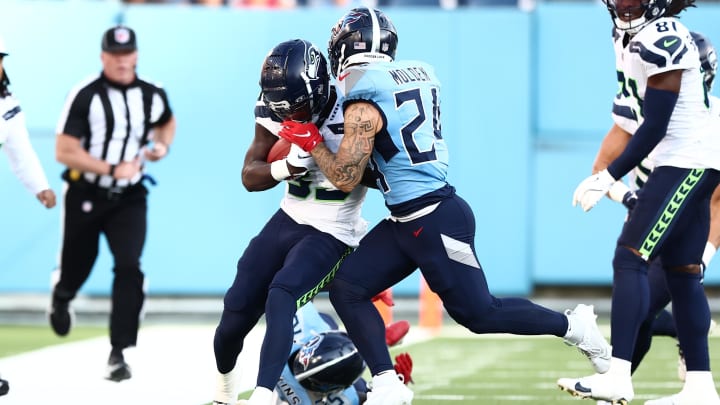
(110, 125)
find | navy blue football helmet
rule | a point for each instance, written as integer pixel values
(362, 35)
(644, 12)
(708, 58)
(294, 80)
(329, 362)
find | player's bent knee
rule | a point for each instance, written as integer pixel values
(626, 258)
(687, 268)
(342, 291)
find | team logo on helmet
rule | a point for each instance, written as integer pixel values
(352, 17)
(307, 352)
(313, 63)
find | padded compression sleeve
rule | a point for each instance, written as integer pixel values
(658, 107)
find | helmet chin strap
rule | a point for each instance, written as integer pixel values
(365, 57)
(631, 27)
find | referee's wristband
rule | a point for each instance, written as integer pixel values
(279, 170)
(111, 173)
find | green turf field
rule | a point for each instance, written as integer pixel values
(502, 370)
(16, 339)
(461, 368)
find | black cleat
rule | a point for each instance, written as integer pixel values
(4, 387)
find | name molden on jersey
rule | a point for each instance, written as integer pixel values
(410, 74)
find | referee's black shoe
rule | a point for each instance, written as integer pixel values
(61, 317)
(117, 370)
(4, 387)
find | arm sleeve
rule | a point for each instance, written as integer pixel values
(24, 161)
(659, 105)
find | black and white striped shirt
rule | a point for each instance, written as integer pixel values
(113, 121)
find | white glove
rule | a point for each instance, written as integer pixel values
(592, 189)
(299, 158)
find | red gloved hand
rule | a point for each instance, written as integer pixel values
(403, 367)
(386, 297)
(302, 134)
(396, 331)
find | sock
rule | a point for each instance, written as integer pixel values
(700, 383)
(116, 355)
(388, 377)
(226, 387)
(261, 395)
(620, 367)
(630, 301)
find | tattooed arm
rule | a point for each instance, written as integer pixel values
(345, 168)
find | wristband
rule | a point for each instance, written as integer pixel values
(708, 254)
(112, 171)
(279, 170)
(617, 191)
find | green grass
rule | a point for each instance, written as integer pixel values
(16, 339)
(492, 370)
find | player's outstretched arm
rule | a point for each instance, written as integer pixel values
(345, 168)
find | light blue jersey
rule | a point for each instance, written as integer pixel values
(307, 323)
(410, 155)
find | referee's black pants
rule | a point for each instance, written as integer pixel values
(88, 212)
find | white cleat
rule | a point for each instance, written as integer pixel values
(387, 389)
(585, 335)
(609, 388)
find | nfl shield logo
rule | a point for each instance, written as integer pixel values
(122, 35)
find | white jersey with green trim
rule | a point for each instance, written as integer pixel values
(638, 176)
(312, 199)
(15, 141)
(662, 46)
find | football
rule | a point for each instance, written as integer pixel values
(279, 150)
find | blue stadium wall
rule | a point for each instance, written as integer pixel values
(526, 99)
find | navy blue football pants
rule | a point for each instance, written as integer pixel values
(670, 221)
(282, 268)
(441, 244)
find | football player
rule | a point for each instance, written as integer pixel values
(660, 321)
(15, 141)
(324, 366)
(296, 253)
(663, 103)
(392, 125)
